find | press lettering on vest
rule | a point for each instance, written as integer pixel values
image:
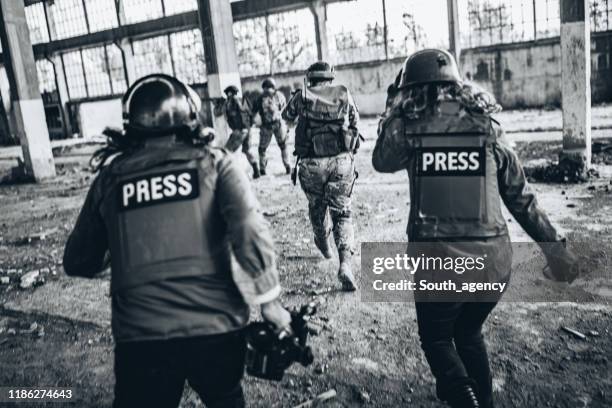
(455, 161)
(156, 189)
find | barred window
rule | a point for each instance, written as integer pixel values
(251, 47)
(96, 72)
(355, 31)
(37, 23)
(601, 11)
(101, 14)
(73, 68)
(415, 24)
(179, 6)
(68, 17)
(142, 10)
(46, 76)
(548, 20)
(292, 40)
(152, 56)
(116, 69)
(188, 56)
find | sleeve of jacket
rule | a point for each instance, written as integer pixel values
(282, 101)
(291, 111)
(353, 112)
(519, 197)
(391, 152)
(87, 245)
(251, 240)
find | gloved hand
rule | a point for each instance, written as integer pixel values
(563, 265)
(273, 312)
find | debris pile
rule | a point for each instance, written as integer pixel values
(564, 171)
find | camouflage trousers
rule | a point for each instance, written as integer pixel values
(238, 138)
(265, 137)
(328, 184)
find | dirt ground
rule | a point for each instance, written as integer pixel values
(57, 332)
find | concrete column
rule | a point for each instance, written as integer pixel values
(220, 54)
(320, 19)
(576, 83)
(129, 69)
(454, 44)
(28, 111)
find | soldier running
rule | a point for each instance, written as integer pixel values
(326, 138)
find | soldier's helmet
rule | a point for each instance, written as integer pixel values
(268, 83)
(231, 89)
(321, 71)
(160, 104)
(430, 66)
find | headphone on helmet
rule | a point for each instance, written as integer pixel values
(193, 100)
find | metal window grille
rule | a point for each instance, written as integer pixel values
(37, 23)
(601, 10)
(415, 24)
(152, 55)
(354, 42)
(547, 19)
(68, 18)
(291, 40)
(75, 77)
(251, 47)
(101, 14)
(142, 10)
(46, 76)
(179, 6)
(96, 70)
(116, 69)
(188, 56)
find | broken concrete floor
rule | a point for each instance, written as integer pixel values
(368, 352)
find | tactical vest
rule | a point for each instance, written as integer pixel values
(237, 114)
(323, 126)
(453, 176)
(270, 111)
(163, 222)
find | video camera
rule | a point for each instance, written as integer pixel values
(268, 356)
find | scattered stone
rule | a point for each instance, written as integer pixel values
(30, 279)
(5, 280)
(364, 396)
(11, 331)
(317, 401)
(38, 236)
(321, 368)
(573, 332)
(593, 333)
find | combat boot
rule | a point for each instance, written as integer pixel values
(345, 275)
(256, 173)
(324, 247)
(464, 397)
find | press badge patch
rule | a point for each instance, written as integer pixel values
(159, 188)
(451, 161)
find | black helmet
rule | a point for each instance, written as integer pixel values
(320, 70)
(160, 104)
(232, 88)
(427, 66)
(268, 83)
